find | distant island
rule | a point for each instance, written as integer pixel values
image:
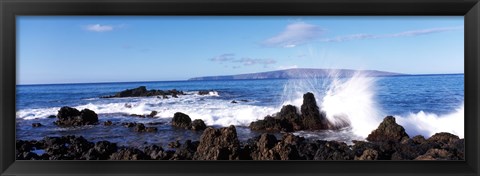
(299, 73)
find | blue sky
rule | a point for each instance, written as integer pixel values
(121, 49)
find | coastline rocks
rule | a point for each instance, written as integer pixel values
(68, 117)
(218, 144)
(181, 120)
(388, 130)
(198, 125)
(143, 92)
(288, 119)
(311, 116)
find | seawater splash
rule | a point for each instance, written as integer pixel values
(352, 100)
(427, 124)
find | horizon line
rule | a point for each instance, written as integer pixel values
(113, 82)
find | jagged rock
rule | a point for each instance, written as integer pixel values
(143, 92)
(198, 125)
(155, 152)
(68, 117)
(186, 151)
(289, 120)
(129, 154)
(270, 123)
(175, 144)
(311, 116)
(181, 120)
(368, 154)
(204, 92)
(388, 130)
(129, 124)
(218, 144)
(443, 139)
(152, 114)
(140, 127)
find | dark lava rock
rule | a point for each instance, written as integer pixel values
(311, 116)
(36, 125)
(443, 139)
(140, 127)
(368, 154)
(263, 149)
(181, 120)
(270, 123)
(52, 116)
(101, 151)
(68, 117)
(152, 114)
(129, 124)
(198, 125)
(233, 101)
(143, 92)
(155, 152)
(289, 120)
(186, 151)
(108, 123)
(175, 144)
(129, 154)
(289, 113)
(204, 92)
(218, 144)
(388, 130)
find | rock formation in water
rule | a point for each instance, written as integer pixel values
(288, 119)
(71, 117)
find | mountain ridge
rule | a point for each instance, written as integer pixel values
(298, 73)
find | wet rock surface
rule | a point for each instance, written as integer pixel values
(71, 117)
(143, 92)
(289, 119)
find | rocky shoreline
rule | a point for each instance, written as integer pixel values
(388, 142)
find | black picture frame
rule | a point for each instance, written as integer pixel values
(9, 9)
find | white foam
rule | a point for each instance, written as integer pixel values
(427, 124)
(352, 100)
(212, 111)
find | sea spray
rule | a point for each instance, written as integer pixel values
(427, 124)
(352, 99)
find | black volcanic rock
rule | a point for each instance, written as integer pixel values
(311, 116)
(71, 117)
(198, 125)
(218, 144)
(388, 130)
(181, 120)
(289, 120)
(143, 92)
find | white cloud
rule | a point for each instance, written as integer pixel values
(250, 61)
(230, 59)
(399, 34)
(223, 57)
(98, 28)
(294, 34)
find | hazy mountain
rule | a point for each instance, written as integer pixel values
(298, 73)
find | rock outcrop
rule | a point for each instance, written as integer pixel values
(71, 117)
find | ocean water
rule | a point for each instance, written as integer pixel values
(423, 104)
